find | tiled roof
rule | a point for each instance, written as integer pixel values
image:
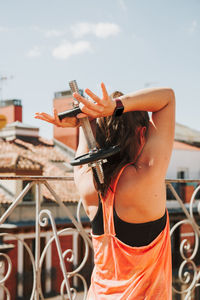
(183, 146)
(32, 156)
(8, 160)
(186, 134)
(13, 161)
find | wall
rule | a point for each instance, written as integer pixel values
(184, 159)
(10, 185)
(13, 113)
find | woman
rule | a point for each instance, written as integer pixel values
(130, 224)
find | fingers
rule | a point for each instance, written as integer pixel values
(88, 105)
(37, 114)
(45, 117)
(48, 118)
(56, 116)
(80, 116)
(88, 113)
(67, 122)
(93, 96)
(81, 99)
(40, 116)
(104, 91)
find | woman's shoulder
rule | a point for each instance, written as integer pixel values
(137, 179)
(133, 172)
(128, 176)
(134, 191)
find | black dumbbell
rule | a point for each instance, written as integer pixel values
(69, 113)
(95, 156)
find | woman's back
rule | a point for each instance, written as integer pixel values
(145, 201)
(140, 194)
(124, 272)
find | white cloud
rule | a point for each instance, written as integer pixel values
(101, 30)
(104, 30)
(67, 49)
(34, 52)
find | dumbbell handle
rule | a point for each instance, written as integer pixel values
(69, 113)
(85, 123)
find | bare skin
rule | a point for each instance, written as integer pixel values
(67, 122)
(140, 194)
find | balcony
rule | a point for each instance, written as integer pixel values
(46, 250)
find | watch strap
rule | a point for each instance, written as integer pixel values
(119, 108)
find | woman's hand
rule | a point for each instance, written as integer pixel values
(99, 108)
(67, 122)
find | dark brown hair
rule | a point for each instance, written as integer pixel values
(120, 131)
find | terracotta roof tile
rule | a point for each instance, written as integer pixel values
(24, 163)
(23, 155)
(8, 160)
(184, 146)
(13, 161)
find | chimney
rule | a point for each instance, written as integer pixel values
(12, 109)
(69, 136)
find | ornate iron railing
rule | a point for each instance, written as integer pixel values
(188, 273)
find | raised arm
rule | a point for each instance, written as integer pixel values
(159, 101)
(158, 147)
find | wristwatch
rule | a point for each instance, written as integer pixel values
(119, 108)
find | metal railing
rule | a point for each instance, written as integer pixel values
(188, 273)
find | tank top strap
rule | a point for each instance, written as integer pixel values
(107, 205)
(114, 185)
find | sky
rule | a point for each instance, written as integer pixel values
(127, 44)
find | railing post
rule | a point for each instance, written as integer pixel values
(37, 239)
(20, 262)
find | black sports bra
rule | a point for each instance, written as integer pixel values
(132, 234)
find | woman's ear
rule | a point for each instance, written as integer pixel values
(144, 129)
(143, 135)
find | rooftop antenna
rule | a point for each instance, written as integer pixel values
(2, 80)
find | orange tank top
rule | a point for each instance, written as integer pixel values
(122, 272)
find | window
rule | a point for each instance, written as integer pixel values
(182, 173)
(29, 197)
